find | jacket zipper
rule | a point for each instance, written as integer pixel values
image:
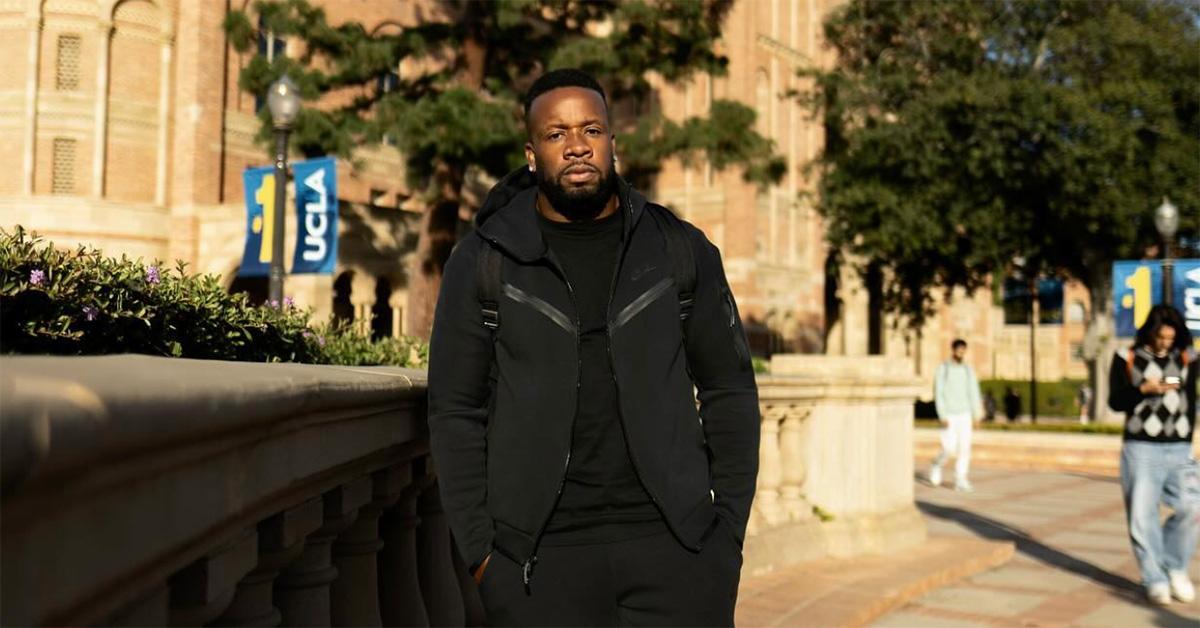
(531, 561)
(612, 366)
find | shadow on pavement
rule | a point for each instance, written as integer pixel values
(989, 528)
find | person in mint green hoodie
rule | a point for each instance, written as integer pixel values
(956, 393)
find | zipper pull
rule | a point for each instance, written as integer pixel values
(527, 571)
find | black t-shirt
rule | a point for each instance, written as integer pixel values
(602, 499)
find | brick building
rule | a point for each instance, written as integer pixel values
(125, 128)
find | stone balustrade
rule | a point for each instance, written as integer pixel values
(154, 491)
(835, 460)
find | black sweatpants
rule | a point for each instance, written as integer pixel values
(646, 581)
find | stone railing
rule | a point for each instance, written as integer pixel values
(153, 491)
(140, 490)
(835, 461)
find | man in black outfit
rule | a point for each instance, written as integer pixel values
(582, 485)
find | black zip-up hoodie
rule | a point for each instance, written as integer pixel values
(501, 407)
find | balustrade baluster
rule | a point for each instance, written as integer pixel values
(770, 472)
(281, 540)
(303, 590)
(439, 585)
(203, 590)
(791, 447)
(400, 600)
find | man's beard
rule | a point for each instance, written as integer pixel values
(579, 204)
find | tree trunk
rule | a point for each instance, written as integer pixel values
(439, 232)
(439, 225)
(1100, 344)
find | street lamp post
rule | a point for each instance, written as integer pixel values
(283, 100)
(1166, 221)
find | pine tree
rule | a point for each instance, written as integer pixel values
(463, 110)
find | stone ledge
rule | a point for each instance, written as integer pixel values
(855, 592)
(780, 547)
(121, 471)
(57, 413)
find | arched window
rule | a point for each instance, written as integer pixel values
(256, 288)
(381, 311)
(343, 309)
(135, 61)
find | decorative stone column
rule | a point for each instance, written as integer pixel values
(204, 589)
(280, 541)
(400, 598)
(100, 132)
(164, 102)
(770, 471)
(33, 25)
(356, 591)
(791, 450)
(439, 585)
(303, 588)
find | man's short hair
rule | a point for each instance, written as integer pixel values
(958, 342)
(554, 79)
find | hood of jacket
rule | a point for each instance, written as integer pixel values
(508, 217)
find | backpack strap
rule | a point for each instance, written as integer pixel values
(488, 282)
(683, 259)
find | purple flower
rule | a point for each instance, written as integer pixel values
(36, 277)
(321, 340)
(289, 302)
(152, 275)
(273, 303)
(90, 312)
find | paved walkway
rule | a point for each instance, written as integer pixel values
(1073, 564)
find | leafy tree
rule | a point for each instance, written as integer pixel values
(970, 139)
(462, 111)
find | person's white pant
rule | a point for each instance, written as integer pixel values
(956, 441)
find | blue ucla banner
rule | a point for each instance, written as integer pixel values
(259, 184)
(316, 216)
(1138, 286)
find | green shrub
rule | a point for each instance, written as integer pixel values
(1054, 398)
(82, 303)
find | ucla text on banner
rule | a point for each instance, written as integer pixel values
(1187, 292)
(316, 216)
(1137, 286)
(259, 184)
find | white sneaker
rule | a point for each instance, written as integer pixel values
(935, 475)
(1181, 586)
(1159, 593)
(964, 487)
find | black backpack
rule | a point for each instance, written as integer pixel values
(678, 248)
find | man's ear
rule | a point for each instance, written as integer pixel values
(614, 149)
(529, 157)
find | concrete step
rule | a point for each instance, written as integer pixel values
(857, 591)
